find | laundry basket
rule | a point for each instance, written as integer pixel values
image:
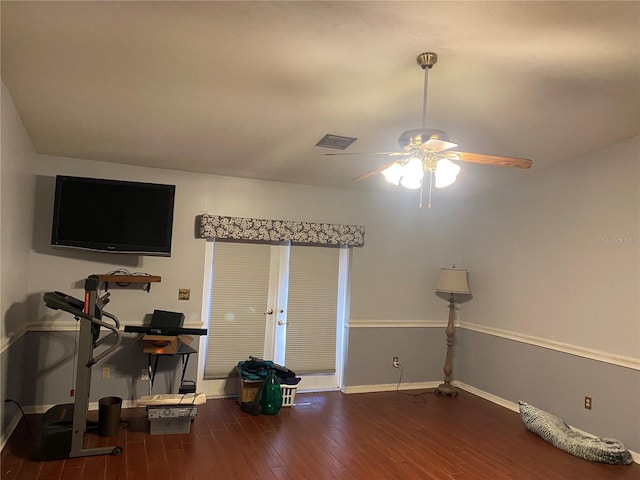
(288, 394)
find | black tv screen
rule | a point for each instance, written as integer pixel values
(113, 215)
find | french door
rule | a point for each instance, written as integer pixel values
(278, 302)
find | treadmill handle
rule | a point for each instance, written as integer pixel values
(107, 337)
(114, 332)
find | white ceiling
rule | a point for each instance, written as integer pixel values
(247, 89)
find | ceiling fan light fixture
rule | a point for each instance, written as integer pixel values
(430, 150)
(393, 173)
(446, 173)
(412, 174)
(411, 183)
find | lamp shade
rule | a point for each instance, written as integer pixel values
(453, 280)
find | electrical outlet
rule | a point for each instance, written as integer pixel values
(106, 372)
(144, 374)
(587, 403)
(395, 362)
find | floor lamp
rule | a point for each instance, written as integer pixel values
(452, 281)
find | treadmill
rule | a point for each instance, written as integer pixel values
(61, 429)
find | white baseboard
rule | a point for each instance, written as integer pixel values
(15, 420)
(488, 396)
(389, 387)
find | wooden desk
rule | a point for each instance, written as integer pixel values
(184, 351)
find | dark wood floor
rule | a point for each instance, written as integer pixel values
(324, 436)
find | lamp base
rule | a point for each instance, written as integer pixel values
(447, 389)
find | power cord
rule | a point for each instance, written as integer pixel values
(121, 271)
(24, 415)
(417, 397)
(124, 271)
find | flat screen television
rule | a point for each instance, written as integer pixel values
(113, 215)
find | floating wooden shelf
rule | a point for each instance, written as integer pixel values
(148, 279)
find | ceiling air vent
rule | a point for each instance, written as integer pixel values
(335, 141)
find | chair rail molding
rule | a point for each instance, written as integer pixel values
(396, 323)
(592, 354)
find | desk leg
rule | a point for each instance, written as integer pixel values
(152, 370)
(185, 362)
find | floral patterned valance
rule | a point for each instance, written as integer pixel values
(272, 231)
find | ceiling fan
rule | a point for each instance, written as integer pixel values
(429, 150)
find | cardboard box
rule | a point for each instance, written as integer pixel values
(168, 419)
(168, 426)
(160, 344)
(248, 390)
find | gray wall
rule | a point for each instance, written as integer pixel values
(17, 186)
(557, 254)
(421, 352)
(48, 359)
(554, 381)
(555, 262)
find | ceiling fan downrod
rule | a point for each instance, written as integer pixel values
(426, 61)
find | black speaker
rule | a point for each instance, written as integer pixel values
(166, 320)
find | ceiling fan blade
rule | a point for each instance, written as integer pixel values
(489, 159)
(390, 154)
(373, 172)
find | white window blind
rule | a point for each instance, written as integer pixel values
(312, 309)
(238, 303)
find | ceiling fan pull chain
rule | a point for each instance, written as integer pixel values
(430, 187)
